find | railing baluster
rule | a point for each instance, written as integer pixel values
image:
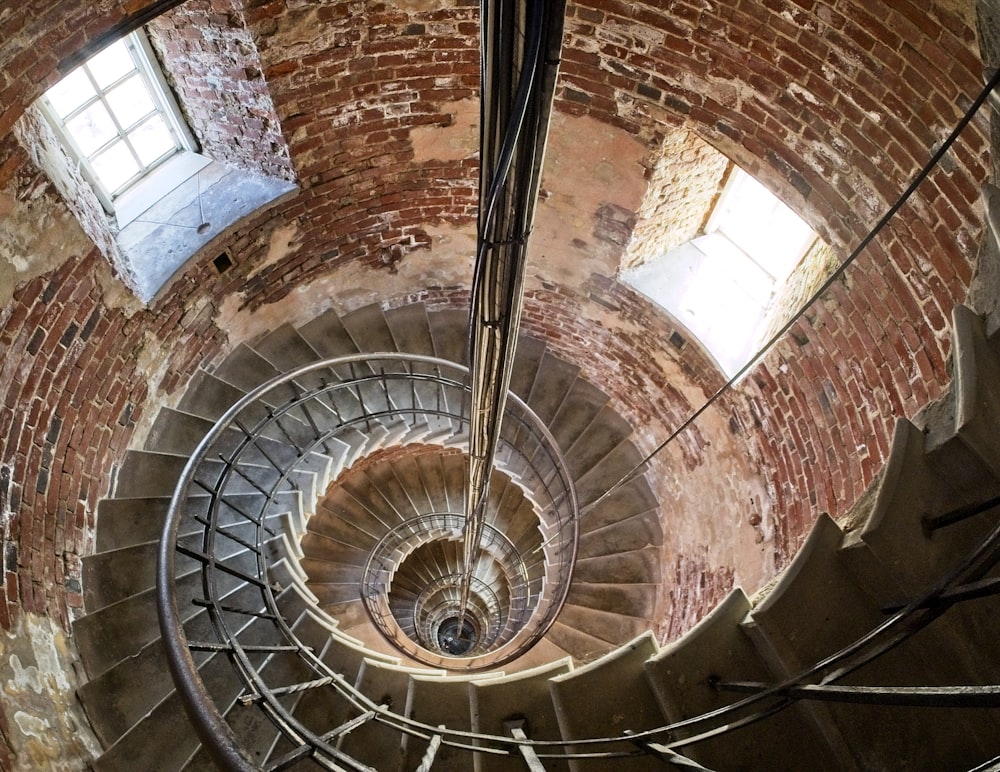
(670, 756)
(225, 532)
(205, 603)
(252, 697)
(431, 752)
(984, 588)
(516, 729)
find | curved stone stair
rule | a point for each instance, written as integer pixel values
(844, 581)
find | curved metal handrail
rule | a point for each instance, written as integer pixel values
(396, 545)
(204, 475)
(247, 452)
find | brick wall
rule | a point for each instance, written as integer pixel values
(211, 61)
(73, 388)
(684, 187)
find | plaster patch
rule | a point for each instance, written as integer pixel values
(33, 726)
(456, 142)
(281, 243)
(446, 263)
(46, 727)
(39, 235)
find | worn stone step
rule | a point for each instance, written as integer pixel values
(209, 396)
(410, 329)
(635, 600)
(626, 702)
(641, 566)
(579, 645)
(635, 533)
(450, 333)
(163, 740)
(525, 694)
(326, 336)
(527, 359)
(553, 383)
(596, 481)
(582, 404)
(109, 577)
(369, 329)
(335, 540)
(610, 626)
(120, 630)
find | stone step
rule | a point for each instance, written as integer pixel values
(634, 533)
(582, 404)
(634, 600)
(120, 630)
(818, 607)
(976, 369)
(369, 329)
(579, 645)
(285, 349)
(682, 675)
(521, 695)
(438, 701)
(640, 566)
(327, 336)
(163, 740)
(410, 329)
(599, 440)
(911, 488)
(527, 359)
(109, 577)
(593, 483)
(209, 396)
(612, 627)
(335, 540)
(373, 743)
(449, 331)
(626, 701)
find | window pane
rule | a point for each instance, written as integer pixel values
(71, 92)
(115, 166)
(130, 102)
(92, 128)
(113, 63)
(152, 140)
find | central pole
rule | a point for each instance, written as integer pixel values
(520, 45)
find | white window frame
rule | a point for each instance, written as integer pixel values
(165, 105)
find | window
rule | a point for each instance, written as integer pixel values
(117, 116)
(722, 284)
(111, 137)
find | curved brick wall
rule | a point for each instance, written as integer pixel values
(833, 108)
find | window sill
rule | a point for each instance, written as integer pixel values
(185, 215)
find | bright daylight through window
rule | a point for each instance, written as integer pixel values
(116, 114)
(721, 284)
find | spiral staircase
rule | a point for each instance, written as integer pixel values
(306, 609)
(849, 661)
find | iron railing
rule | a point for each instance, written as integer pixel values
(273, 444)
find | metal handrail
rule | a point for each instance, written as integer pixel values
(233, 460)
(523, 609)
(764, 701)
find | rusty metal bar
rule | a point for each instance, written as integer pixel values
(517, 730)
